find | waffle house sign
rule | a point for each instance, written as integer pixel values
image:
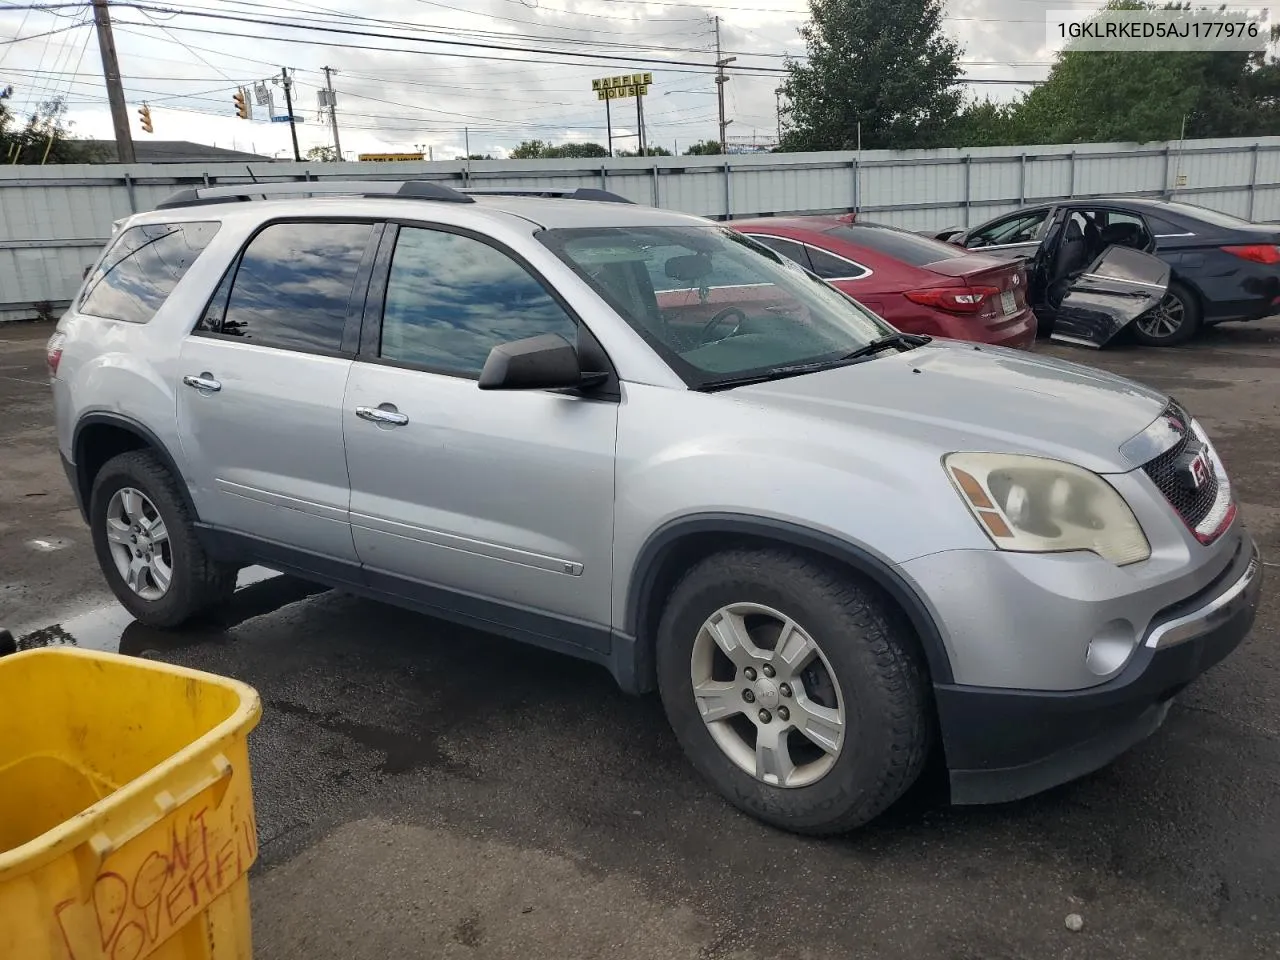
(627, 85)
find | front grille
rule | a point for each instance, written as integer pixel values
(1170, 472)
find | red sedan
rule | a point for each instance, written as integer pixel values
(918, 284)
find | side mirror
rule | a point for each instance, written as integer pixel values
(544, 362)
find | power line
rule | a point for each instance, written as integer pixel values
(310, 24)
(25, 16)
(179, 42)
(346, 31)
(37, 36)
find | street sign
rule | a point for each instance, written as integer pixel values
(627, 85)
(285, 119)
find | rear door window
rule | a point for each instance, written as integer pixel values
(294, 287)
(142, 267)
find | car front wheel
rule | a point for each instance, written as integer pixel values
(793, 688)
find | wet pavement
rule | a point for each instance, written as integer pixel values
(426, 790)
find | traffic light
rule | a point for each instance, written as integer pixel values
(144, 114)
(242, 104)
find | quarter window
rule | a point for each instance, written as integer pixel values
(141, 269)
(451, 299)
(830, 267)
(294, 286)
(791, 249)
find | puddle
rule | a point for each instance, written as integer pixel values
(112, 628)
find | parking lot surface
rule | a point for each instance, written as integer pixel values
(425, 790)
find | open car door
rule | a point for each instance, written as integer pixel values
(1118, 287)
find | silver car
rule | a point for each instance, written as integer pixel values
(639, 438)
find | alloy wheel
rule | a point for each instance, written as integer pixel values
(768, 695)
(1165, 320)
(139, 543)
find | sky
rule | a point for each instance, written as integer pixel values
(432, 80)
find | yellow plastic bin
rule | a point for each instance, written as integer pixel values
(126, 810)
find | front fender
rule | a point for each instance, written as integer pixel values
(644, 576)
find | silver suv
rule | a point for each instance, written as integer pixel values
(639, 438)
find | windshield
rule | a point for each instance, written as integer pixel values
(714, 304)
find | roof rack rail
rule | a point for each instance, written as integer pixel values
(570, 193)
(403, 189)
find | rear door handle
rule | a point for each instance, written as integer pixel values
(391, 417)
(202, 382)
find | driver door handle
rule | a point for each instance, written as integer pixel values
(391, 417)
(202, 382)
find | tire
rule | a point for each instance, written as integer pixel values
(1180, 307)
(863, 645)
(195, 582)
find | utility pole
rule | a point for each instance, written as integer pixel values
(777, 106)
(642, 146)
(287, 82)
(333, 111)
(115, 89)
(721, 80)
(608, 122)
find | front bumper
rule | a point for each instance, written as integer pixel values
(1005, 744)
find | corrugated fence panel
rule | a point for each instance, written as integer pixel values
(53, 220)
(1266, 205)
(994, 181)
(1047, 178)
(1099, 176)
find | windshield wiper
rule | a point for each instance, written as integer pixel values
(777, 373)
(908, 340)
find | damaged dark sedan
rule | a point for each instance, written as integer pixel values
(1219, 268)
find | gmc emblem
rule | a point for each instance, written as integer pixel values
(1195, 472)
(1199, 471)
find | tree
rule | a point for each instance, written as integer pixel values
(44, 137)
(323, 154)
(884, 64)
(1101, 96)
(986, 124)
(704, 148)
(648, 152)
(540, 149)
(529, 150)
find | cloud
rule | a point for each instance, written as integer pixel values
(398, 95)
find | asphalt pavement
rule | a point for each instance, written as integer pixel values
(429, 791)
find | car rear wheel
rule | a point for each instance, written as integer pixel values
(1174, 321)
(793, 688)
(146, 543)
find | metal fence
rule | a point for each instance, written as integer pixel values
(53, 220)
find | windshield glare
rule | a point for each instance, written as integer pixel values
(713, 303)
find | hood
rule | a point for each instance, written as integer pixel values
(955, 396)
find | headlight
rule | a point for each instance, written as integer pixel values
(1037, 505)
